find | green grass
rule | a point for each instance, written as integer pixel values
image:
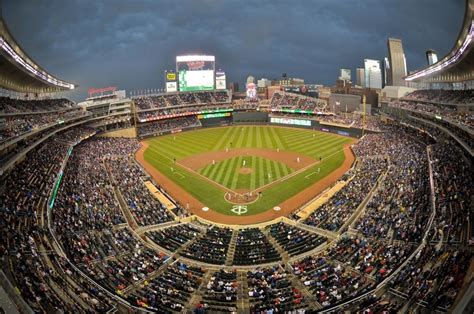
(164, 149)
(264, 171)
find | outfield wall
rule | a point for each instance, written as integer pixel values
(250, 117)
(263, 118)
(216, 121)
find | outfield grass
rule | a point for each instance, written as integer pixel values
(164, 149)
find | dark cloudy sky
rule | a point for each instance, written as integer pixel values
(97, 43)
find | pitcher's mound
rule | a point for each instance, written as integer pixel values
(245, 170)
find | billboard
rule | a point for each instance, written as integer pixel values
(171, 87)
(213, 115)
(171, 80)
(195, 73)
(251, 91)
(220, 80)
(171, 76)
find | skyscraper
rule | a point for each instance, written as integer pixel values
(345, 74)
(360, 77)
(398, 64)
(386, 72)
(431, 56)
(372, 73)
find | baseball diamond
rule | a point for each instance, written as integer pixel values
(275, 163)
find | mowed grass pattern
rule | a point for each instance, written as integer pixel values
(164, 149)
(264, 171)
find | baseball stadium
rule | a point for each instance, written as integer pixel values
(286, 197)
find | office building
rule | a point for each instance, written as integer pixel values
(386, 71)
(360, 77)
(372, 73)
(431, 56)
(345, 74)
(398, 65)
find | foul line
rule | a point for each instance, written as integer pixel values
(179, 174)
(263, 187)
(309, 175)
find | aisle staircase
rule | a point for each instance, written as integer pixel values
(231, 250)
(283, 254)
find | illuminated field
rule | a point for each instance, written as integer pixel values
(279, 162)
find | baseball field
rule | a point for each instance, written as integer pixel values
(244, 170)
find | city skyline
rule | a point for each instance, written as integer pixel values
(129, 45)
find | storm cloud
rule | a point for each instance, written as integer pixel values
(130, 43)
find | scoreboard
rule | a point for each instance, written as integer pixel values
(195, 73)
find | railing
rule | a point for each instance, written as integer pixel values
(22, 306)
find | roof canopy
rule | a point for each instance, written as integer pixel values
(18, 72)
(457, 65)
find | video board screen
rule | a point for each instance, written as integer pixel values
(195, 73)
(291, 121)
(213, 115)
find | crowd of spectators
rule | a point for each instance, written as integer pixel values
(329, 282)
(354, 120)
(454, 190)
(288, 101)
(117, 272)
(173, 112)
(443, 96)
(86, 216)
(25, 192)
(433, 278)
(253, 247)
(294, 240)
(167, 125)
(146, 209)
(337, 210)
(243, 104)
(464, 118)
(174, 237)
(77, 134)
(377, 259)
(346, 120)
(86, 199)
(181, 99)
(13, 105)
(400, 208)
(221, 293)
(86, 247)
(212, 247)
(271, 291)
(14, 125)
(169, 291)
